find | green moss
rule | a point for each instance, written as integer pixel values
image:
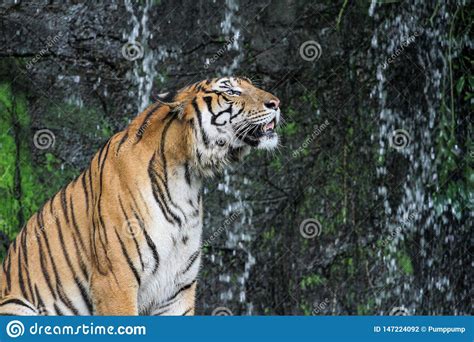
(269, 235)
(17, 191)
(404, 262)
(311, 281)
(306, 308)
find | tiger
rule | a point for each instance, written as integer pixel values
(124, 237)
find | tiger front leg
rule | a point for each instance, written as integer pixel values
(114, 280)
(114, 294)
(182, 303)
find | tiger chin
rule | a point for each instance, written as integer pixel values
(124, 238)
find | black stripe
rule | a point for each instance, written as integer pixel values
(187, 311)
(208, 100)
(58, 310)
(89, 172)
(84, 295)
(76, 247)
(149, 240)
(99, 210)
(63, 204)
(76, 226)
(23, 266)
(127, 257)
(158, 194)
(204, 137)
(20, 274)
(165, 168)
(59, 286)
(192, 260)
(18, 302)
(124, 138)
(152, 246)
(84, 188)
(95, 231)
(39, 300)
(236, 114)
(44, 270)
(145, 123)
(187, 173)
(133, 235)
(69, 264)
(184, 288)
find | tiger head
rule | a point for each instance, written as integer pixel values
(229, 115)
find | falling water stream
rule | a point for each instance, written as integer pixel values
(238, 236)
(144, 70)
(414, 125)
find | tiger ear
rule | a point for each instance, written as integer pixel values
(245, 79)
(182, 110)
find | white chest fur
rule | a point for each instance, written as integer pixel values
(178, 247)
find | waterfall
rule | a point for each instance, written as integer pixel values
(236, 228)
(237, 231)
(230, 29)
(408, 133)
(139, 53)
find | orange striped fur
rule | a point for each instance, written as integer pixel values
(124, 238)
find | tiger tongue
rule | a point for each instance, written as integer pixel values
(269, 126)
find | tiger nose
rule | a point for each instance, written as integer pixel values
(272, 104)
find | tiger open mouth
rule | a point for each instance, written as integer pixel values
(256, 133)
